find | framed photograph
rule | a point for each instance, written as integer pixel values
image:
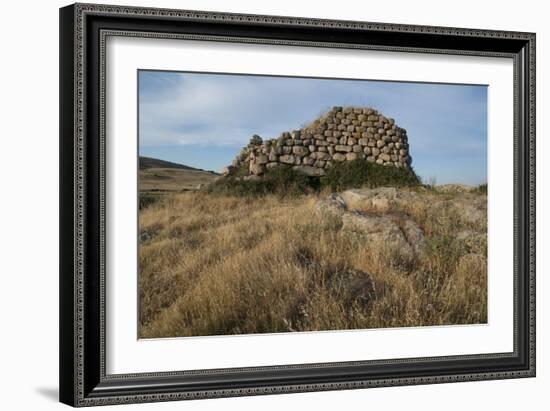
(260, 204)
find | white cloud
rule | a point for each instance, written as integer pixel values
(222, 110)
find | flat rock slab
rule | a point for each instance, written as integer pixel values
(333, 205)
(380, 199)
(309, 171)
(398, 232)
(379, 230)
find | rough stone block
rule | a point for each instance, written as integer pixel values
(287, 159)
(342, 148)
(308, 161)
(344, 133)
(339, 157)
(257, 169)
(300, 151)
(384, 157)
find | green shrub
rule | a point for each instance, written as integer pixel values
(362, 173)
(282, 181)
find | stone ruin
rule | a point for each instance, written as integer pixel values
(341, 134)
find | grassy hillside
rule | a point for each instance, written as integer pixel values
(149, 162)
(158, 178)
(219, 264)
(165, 180)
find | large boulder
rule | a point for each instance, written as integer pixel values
(333, 205)
(381, 199)
(309, 171)
(261, 159)
(380, 231)
(257, 169)
(287, 159)
(300, 150)
(396, 232)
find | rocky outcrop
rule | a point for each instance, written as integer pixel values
(378, 230)
(381, 199)
(397, 232)
(342, 134)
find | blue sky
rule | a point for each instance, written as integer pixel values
(203, 120)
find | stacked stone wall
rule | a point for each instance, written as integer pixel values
(341, 134)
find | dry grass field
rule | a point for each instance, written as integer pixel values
(213, 264)
(172, 179)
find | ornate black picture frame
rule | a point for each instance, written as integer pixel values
(83, 30)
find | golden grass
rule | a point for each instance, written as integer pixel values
(173, 179)
(212, 265)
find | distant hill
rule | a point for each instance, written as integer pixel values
(149, 162)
